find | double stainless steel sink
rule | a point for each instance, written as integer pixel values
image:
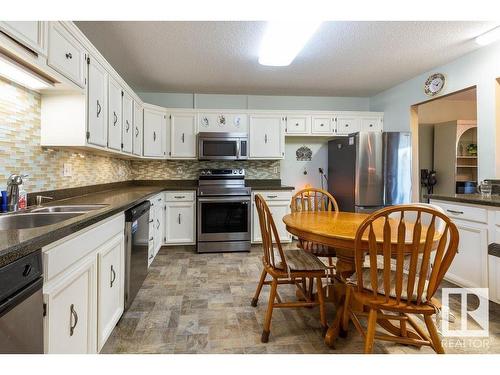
(41, 216)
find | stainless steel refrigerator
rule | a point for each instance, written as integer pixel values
(370, 170)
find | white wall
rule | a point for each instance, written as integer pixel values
(292, 171)
(480, 68)
(446, 110)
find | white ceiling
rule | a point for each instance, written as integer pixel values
(341, 59)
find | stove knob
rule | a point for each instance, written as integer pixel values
(203, 173)
(241, 171)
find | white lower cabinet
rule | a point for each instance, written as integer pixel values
(110, 265)
(180, 218)
(70, 321)
(279, 205)
(156, 226)
(82, 305)
(494, 278)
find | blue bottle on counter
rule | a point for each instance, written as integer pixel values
(3, 206)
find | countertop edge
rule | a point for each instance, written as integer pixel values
(474, 199)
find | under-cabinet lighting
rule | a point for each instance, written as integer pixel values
(284, 40)
(488, 37)
(18, 73)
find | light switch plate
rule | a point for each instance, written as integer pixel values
(67, 170)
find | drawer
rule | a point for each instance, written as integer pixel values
(371, 124)
(274, 195)
(321, 125)
(463, 212)
(179, 196)
(298, 124)
(348, 125)
(66, 55)
(67, 251)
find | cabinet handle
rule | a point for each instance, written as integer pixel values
(113, 276)
(151, 239)
(321, 124)
(371, 125)
(296, 124)
(154, 136)
(346, 125)
(73, 316)
(455, 212)
(158, 225)
(69, 55)
(151, 256)
(98, 108)
(265, 138)
(115, 118)
(272, 196)
(182, 137)
(150, 221)
(136, 131)
(179, 196)
(179, 218)
(128, 126)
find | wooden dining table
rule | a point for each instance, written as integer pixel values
(338, 229)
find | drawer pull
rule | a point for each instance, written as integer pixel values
(272, 196)
(179, 196)
(179, 218)
(72, 317)
(455, 212)
(154, 136)
(150, 221)
(321, 124)
(113, 277)
(296, 124)
(151, 256)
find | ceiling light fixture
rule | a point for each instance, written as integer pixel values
(18, 73)
(488, 37)
(284, 40)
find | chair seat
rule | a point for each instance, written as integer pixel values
(301, 260)
(380, 284)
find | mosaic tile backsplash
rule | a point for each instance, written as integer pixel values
(188, 169)
(20, 152)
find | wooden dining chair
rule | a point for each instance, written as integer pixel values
(285, 267)
(314, 200)
(394, 291)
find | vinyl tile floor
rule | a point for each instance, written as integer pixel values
(200, 303)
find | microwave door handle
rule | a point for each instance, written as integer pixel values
(238, 154)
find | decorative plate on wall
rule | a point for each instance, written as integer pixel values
(204, 121)
(303, 153)
(221, 120)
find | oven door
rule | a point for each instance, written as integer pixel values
(219, 149)
(224, 218)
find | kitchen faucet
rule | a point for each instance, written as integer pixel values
(13, 183)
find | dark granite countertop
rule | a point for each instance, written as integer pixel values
(494, 200)
(119, 197)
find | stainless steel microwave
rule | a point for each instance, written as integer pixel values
(222, 146)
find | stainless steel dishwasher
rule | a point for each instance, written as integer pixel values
(136, 249)
(21, 306)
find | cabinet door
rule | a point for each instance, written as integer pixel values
(298, 124)
(138, 127)
(66, 54)
(128, 116)
(179, 222)
(154, 125)
(114, 115)
(159, 224)
(97, 104)
(31, 34)
(322, 125)
(110, 287)
(372, 124)
(183, 135)
(278, 210)
(266, 137)
(151, 243)
(348, 124)
(70, 323)
(469, 267)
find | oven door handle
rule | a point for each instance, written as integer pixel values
(224, 199)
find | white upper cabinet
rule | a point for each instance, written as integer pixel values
(127, 123)
(347, 124)
(298, 124)
(183, 135)
(267, 136)
(66, 54)
(155, 124)
(138, 128)
(97, 131)
(371, 124)
(31, 34)
(114, 115)
(323, 125)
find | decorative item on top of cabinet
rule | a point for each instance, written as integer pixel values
(128, 122)
(182, 135)
(155, 124)
(66, 55)
(222, 122)
(30, 34)
(267, 136)
(180, 214)
(115, 94)
(279, 205)
(138, 129)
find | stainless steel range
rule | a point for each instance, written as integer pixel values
(223, 211)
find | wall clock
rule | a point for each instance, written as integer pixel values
(434, 84)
